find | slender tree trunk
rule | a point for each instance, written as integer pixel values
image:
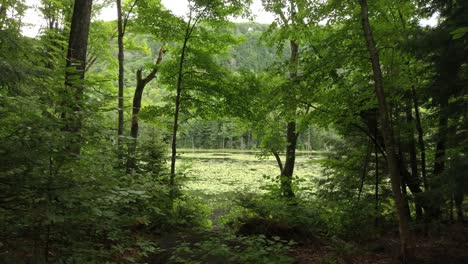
(177, 107)
(134, 129)
(120, 36)
(440, 151)
(458, 198)
(439, 160)
(415, 188)
(193, 140)
(291, 134)
(278, 160)
(422, 146)
(377, 180)
(405, 197)
(451, 210)
(75, 74)
(414, 180)
(411, 143)
(54, 38)
(2, 15)
(365, 170)
(387, 132)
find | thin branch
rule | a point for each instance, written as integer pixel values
(278, 160)
(127, 17)
(155, 69)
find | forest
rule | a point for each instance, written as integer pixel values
(338, 133)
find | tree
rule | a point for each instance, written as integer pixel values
(291, 19)
(140, 86)
(76, 66)
(211, 11)
(121, 28)
(150, 18)
(11, 7)
(120, 40)
(387, 132)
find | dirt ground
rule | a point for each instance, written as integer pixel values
(448, 247)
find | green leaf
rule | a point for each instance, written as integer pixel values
(459, 33)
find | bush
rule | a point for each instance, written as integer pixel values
(233, 249)
(85, 210)
(273, 216)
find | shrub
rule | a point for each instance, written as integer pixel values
(233, 249)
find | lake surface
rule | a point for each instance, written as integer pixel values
(213, 172)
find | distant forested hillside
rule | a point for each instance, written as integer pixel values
(252, 53)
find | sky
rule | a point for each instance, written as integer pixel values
(178, 7)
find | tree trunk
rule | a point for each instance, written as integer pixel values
(288, 169)
(120, 36)
(377, 180)
(439, 160)
(2, 15)
(414, 180)
(365, 170)
(75, 73)
(278, 160)
(422, 146)
(177, 106)
(193, 140)
(387, 132)
(137, 97)
(440, 151)
(458, 198)
(405, 197)
(411, 143)
(415, 188)
(291, 134)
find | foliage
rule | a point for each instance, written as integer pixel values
(267, 215)
(234, 249)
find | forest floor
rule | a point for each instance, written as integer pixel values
(448, 247)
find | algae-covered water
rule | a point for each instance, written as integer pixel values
(213, 172)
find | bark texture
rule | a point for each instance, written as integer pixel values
(175, 126)
(387, 133)
(278, 160)
(75, 74)
(137, 97)
(422, 146)
(120, 36)
(291, 134)
(439, 159)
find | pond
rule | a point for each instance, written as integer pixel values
(214, 172)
